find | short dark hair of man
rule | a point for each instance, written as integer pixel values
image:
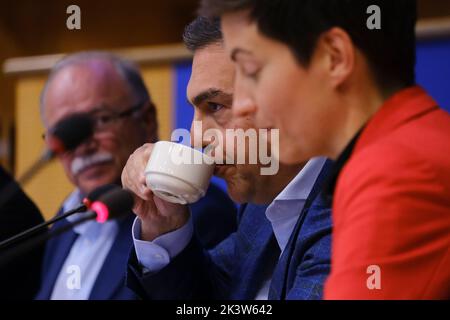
(390, 51)
(201, 33)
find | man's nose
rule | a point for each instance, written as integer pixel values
(198, 127)
(87, 147)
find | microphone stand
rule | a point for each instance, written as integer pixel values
(92, 196)
(34, 242)
(112, 205)
(43, 160)
(40, 227)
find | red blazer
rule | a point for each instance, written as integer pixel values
(391, 207)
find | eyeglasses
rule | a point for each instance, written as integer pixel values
(104, 120)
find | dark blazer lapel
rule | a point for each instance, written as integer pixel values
(283, 269)
(57, 251)
(112, 274)
(256, 246)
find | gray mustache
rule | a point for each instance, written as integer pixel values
(81, 163)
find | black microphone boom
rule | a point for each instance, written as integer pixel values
(93, 196)
(117, 203)
(97, 193)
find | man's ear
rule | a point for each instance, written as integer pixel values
(339, 49)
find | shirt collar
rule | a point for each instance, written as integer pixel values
(298, 190)
(300, 187)
(284, 211)
(72, 201)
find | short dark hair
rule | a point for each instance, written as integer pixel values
(390, 51)
(202, 32)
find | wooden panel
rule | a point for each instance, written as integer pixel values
(145, 56)
(433, 8)
(159, 81)
(39, 27)
(433, 28)
(49, 187)
(115, 23)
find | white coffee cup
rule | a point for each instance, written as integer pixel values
(177, 173)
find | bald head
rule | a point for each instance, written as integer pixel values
(95, 67)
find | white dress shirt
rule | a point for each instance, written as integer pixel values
(86, 257)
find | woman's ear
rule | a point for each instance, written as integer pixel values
(339, 49)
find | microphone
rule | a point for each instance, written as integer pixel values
(69, 133)
(66, 135)
(97, 193)
(93, 196)
(112, 205)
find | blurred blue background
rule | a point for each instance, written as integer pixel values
(433, 69)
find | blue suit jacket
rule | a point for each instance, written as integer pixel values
(237, 267)
(110, 283)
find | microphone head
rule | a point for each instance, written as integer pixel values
(70, 132)
(112, 205)
(95, 194)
